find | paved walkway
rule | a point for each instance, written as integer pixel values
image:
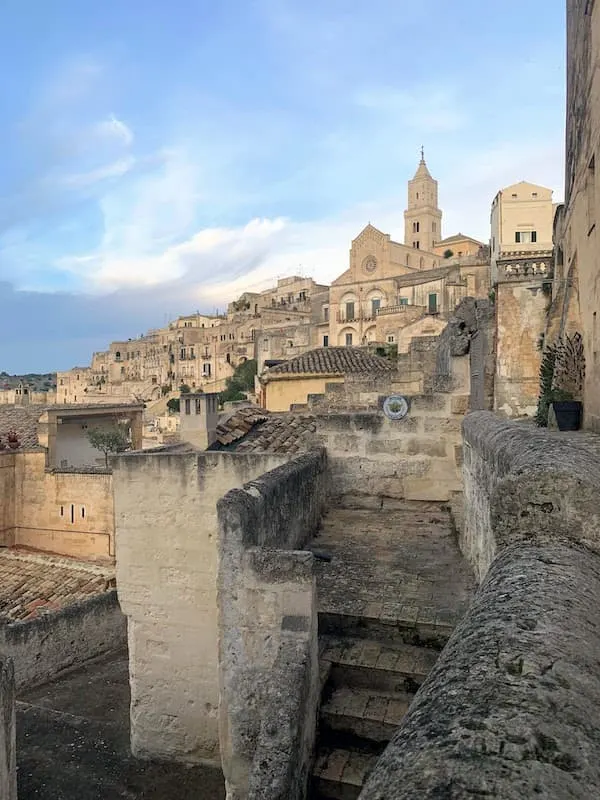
(396, 566)
(73, 743)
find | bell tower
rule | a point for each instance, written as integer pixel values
(422, 218)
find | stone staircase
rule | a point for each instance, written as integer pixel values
(369, 676)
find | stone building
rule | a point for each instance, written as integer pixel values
(522, 263)
(293, 381)
(56, 490)
(577, 288)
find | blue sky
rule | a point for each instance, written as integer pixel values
(161, 157)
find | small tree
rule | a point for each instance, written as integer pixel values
(173, 404)
(448, 253)
(184, 389)
(110, 440)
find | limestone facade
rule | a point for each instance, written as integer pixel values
(578, 242)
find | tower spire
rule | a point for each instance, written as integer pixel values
(422, 154)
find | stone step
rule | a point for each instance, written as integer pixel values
(340, 774)
(362, 714)
(429, 631)
(362, 663)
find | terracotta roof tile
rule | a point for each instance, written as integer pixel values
(23, 420)
(31, 584)
(332, 361)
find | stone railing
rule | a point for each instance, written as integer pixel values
(400, 309)
(268, 651)
(524, 266)
(512, 706)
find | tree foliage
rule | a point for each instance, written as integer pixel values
(109, 440)
(448, 253)
(174, 404)
(240, 383)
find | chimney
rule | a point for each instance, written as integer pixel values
(198, 415)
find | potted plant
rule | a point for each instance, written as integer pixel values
(567, 383)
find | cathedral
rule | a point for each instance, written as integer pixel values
(400, 282)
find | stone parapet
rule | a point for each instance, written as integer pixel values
(510, 710)
(268, 651)
(526, 483)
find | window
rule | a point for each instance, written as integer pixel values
(403, 301)
(525, 237)
(82, 512)
(206, 370)
(415, 227)
(228, 358)
(62, 383)
(325, 313)
(348, 340)
(432, 305)
(391, 338)
(182, 354)
(416, 245)
(290, 343)
(62, 511)
(349, 310)
(407, 260)
(417, 195)
(514, 196)
(265, 345)
(198, 405)
(188, 406)
(375, 306)
(326, 341)
(534, 194)
(72, 513)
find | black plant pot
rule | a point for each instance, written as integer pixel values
(568, 414)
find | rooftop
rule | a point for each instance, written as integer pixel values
(253, 430)
(332, 361)
(24, 421)
(31, 583)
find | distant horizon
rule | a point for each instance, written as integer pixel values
(164, 157)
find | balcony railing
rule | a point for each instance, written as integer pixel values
(402, 308)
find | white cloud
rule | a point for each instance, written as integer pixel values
(115, 129)
(115, 169)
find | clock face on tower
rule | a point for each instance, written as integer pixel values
(370, 264)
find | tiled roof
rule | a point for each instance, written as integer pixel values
(332, 361)
(281, 433)
(24, 421)
(254, 430)
(236, 426)
(31, 584)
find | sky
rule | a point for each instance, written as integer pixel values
(158, 158)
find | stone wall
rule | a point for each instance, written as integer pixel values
(511, 707)
(167, 551)
(520, 321)
(7, 493)
(523, 481)
(43, 646)
(376, 462)
(268, 652)
(64, 512)
(8, 761)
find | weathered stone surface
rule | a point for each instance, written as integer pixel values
(526, 483)
(510, 709)
(8, 765)
(268, 647)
